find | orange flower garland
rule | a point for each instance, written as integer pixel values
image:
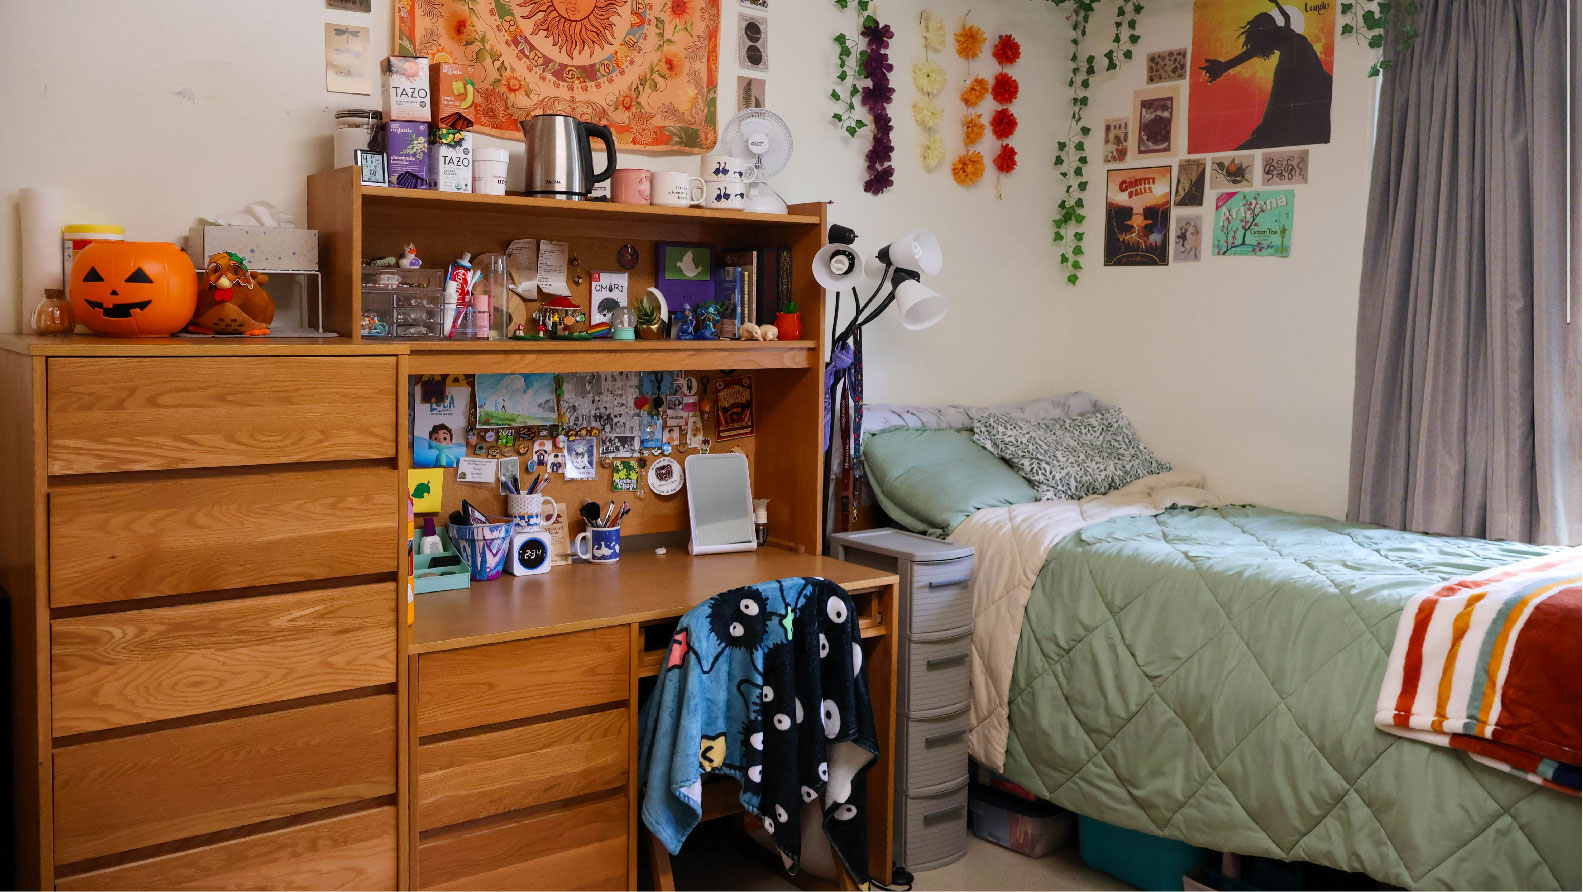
(969, 41)
(969, 167)
(972, 130)
(974, 92)
(1004, 91)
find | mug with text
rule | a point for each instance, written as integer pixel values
(727, 167)
(673, 189)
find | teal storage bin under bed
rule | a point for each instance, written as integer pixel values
(1148, 862)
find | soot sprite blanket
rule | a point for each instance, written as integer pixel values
(764, 684)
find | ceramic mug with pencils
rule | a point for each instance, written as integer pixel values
(529, 509)
(598, 545)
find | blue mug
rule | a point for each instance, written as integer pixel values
(598, 545)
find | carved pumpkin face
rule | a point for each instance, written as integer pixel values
(134, 289)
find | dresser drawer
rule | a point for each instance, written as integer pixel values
(488, 774)
(479, 686)
(123, 414)
(942, 596)
(117, 669)
(116, 541)
(932, 830)
(129, 792)
(936, 752)
(938, 673)
(356, 851)
(579, 847)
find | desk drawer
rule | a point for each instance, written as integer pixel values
(579, 847)
(938, 673)
(123, 414)
(117, 541)
(117, 669)
(500, 771)
(121, 794)
(479, 686)
(356, 851)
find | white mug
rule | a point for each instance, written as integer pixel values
(528, 509)
(725, 194)
(728, 167)
(674, 189)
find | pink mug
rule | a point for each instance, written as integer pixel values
(631, 185)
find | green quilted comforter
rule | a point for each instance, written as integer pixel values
(1210, 675)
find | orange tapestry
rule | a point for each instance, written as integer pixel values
(647, 69)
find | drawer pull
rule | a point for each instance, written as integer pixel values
(937, 739)
(947, 583)
(936, 662)
(943, 814)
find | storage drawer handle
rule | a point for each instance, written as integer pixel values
(935, 739)
(936, 662)
(946, 583)
(936, 817)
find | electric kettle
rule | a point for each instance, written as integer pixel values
(561, 156)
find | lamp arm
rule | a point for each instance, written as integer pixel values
(862, 306)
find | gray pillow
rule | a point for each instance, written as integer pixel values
(1069, 458)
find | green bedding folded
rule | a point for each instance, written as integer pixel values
(931, 480)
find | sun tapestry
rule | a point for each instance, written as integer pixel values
(647, 69)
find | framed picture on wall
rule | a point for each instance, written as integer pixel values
(372, 164)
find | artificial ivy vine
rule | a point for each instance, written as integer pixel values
(850, 62)
(1370, 20)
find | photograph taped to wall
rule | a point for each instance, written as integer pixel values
(1117, 140)
(514, 399)
(1266, 75)
(1154, 121)
(1254, 223)
(1190, 175)
(1187, 243)
(1287, 167)
(1166, 66)
(1137, 216)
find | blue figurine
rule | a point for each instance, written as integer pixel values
(683, 325)
(708, 323)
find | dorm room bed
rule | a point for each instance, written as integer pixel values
(1209, 673)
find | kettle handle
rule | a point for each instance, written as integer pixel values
(603, 134)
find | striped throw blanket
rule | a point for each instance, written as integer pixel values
(1490, 665)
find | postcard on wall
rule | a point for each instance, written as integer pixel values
(348, 64)
(1187, 244)
(607, 292)
(1265, 75)
(1288, 167)
(1137, 216)
(1254, 223)
(1117, 141)
(475, 470)
(424, 485)
(509, 472)
(350, 5)
(1166, 66)
(624, 475)
(1154, 121)
(1190, 174)
(1231, 171)
(733, 407)
(515, 399)
(750, 92)
(759, 5)
(439, 429)
(753, 42)
(582, 458)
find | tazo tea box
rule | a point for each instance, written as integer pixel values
(407, 145)
(406, 88)
(451, 161)
(451, 95)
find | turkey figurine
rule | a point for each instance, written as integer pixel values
(233, 300)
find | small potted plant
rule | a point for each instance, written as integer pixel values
(788, 322)
(651, 319)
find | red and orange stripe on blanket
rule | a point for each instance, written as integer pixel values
(1490, 664)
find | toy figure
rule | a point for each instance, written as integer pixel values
(708, 322)
(409, 257)
(233, 300)
(684, 324)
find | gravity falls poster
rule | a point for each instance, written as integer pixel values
(1262, 74)
(1138, 216)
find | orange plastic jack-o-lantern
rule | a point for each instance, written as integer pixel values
(133, 289)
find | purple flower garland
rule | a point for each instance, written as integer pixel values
(876, 98)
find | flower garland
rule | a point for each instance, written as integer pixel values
(968, 168)
(1003, 123)
(876, 98)
(928, 77)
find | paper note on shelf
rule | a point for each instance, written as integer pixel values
(553, 257)
(423, 484)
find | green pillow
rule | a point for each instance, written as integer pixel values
(931, 480)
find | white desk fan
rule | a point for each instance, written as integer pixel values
(759, 136)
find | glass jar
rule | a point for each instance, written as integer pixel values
(354, 130)
(53, 315)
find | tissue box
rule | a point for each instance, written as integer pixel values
(451, 161)
(268, 248)
(407, 147)
(451, 95)
(405, 88)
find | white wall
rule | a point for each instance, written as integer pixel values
(166, 111)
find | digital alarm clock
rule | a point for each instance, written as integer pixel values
(530, 553)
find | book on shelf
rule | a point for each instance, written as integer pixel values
(747, 261)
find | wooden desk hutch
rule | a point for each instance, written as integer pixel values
(203, 546)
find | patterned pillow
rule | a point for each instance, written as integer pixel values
(1070, 458)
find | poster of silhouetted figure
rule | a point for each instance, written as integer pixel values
(1262, 75)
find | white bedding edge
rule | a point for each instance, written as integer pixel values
(1010, 546)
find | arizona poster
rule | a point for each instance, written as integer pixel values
(1138, 216)
(1254, 223)
(647, 69)
(1261, 74)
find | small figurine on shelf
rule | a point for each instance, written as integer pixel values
(684, 325)
(409, 257)
(233, 300)
(708, 322)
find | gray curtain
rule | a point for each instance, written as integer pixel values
(1466, 408)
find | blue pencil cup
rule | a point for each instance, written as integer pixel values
(483, 547)
(599, 545)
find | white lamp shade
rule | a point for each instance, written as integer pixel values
(838, 267)
(921, 306)
(919, 252)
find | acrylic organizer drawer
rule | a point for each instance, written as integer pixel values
(937, 673)
(116, 669)
(942, 596)
(932, 832)
(936, 752)
(355, 851)
(581, 846)
(479, 686)
(124, 414)
(465, 778)
(128, 792)
(117, 541)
